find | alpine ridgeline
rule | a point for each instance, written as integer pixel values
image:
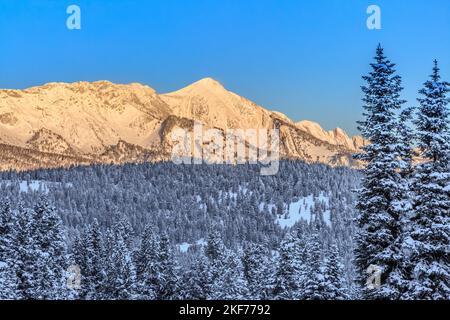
(62, 124)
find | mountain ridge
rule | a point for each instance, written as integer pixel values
(88, 120)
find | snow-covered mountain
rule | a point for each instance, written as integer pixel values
(61, 124)
(337, 136)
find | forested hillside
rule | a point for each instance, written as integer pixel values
(282, 229)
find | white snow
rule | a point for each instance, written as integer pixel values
(201, 242)
(33, 185)
(301, 209)
(184, 247)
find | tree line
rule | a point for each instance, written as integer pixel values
(35, 263)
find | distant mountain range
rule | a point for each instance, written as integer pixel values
(63, 124)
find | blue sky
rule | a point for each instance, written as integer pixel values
(303, 58)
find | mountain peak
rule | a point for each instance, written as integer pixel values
(339, 132)
(208, 82)
(205, 85)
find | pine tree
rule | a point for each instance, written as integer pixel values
(214, 247)
(290, 273)
(50, 249)
(78, 259)
(123, 227)
(226, 270)
(405, 147)
(229, 282)
(314, 284)
(93, 276)
(197, 280)
(119, 269)
(8, 279)
(378, 239)
(428, 241)
(334, 288)
(147, 270)
(403, 204)
(166, 265)
(24, 253)
(257, 271)
(8, 282)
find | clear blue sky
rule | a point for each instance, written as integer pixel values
(303, 58)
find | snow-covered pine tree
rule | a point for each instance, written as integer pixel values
(77, 258)
(229, 282)
(227, 273)
(428, 241)
(24, 253)
(50, 249)
(214, 246)
(8, 282)
(315, 281)
(93, 277)
(290, 272)
(147, 271)
(334, 287)
(405, 145)
(377, 239)
(78, 255)
(166, 264)
(120, 271)
(123, 227)
(197, 280)
(402, 204)
(8, 278)
(120, 274)
(258, 271)
(107, 290)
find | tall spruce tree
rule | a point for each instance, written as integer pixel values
(166, 264)
(8, 278)
(147, 270)
(315, 281)
(258, 271)
(197, 280)
(93, 276)
(50, 249)
(290, 274)
(334, 287)
(24, 253)
(229, 282)
(428, 241)
(119, 269)
(402, 204)
(214, 247)
(378, 240)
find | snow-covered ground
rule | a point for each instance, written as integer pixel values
(297, 210)
(302, 208)
(33, 185)
(184, 247)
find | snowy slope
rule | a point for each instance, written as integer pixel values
(302, 209)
